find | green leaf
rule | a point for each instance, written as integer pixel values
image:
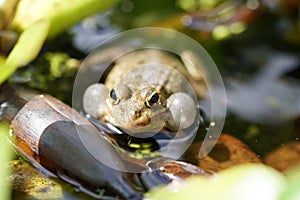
(250, 181)
(292, 192)
(246, 182)
(26, 49)
(61, 14)
(6, 155)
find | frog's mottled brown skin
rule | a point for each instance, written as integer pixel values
(124, 98)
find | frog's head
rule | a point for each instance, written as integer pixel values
(137, 108)
(141, 109)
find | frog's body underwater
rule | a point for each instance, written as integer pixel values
(145, 92)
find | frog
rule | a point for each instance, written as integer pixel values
(147, 91)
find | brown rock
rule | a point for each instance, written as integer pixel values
(227, 152)
(285, 156)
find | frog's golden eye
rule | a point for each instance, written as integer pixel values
(152, 98)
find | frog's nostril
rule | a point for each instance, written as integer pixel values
(134, 114)
(138, 118)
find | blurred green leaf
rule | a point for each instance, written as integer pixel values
(26, 49)
(60, 14)
(6, 155)
(292, 192)
(38, 20)
(293, 173)
(247, 181)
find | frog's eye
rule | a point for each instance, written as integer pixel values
(152, 98)
(113, 96)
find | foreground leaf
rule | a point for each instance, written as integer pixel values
(292, 192)
(242, 182)
(6, 155)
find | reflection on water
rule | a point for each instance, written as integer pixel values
(92, 31)
(263, 98)
(268, 97)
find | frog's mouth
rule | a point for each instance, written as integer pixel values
(144, 123)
